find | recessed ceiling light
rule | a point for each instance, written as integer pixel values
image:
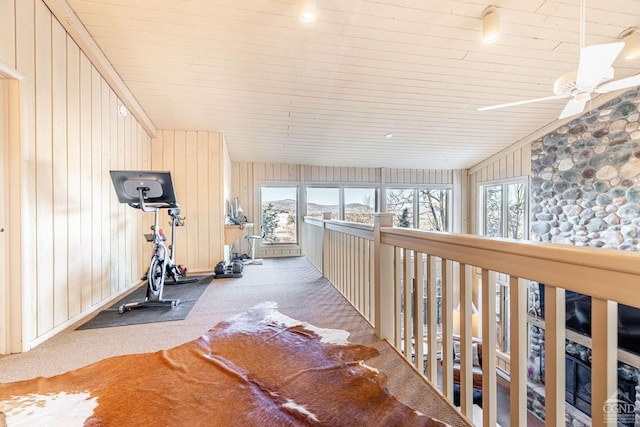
(388, 135)
(307, 10)
(122, 111)
(490, 25)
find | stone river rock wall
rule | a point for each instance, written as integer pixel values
(585, 185)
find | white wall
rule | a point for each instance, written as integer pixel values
(78, 247)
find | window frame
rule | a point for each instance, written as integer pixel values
(502, 284)
(416, 201)
(297, 219)
(341, 200)
(482, 216)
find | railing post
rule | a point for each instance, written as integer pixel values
(383, 278)
(326, 246)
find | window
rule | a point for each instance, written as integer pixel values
(504, 206)
(344, 203)
(503, 215)
(400, 202)
(320, 200)
(493, 211)
(423, 208)
(433, 209)
(359, 204)
(279, 214)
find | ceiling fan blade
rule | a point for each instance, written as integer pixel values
(527, 101)
(575, 106)
(619, 84)
(595, 61)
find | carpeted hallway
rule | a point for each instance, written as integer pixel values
(293, 283)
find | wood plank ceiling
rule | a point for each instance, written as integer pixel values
(326, 93)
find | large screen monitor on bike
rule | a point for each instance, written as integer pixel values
(157, 187)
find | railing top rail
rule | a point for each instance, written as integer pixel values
(351, 228)
(604, 273)
(314, 221)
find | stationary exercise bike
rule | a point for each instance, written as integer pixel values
(151, 192)
(174, 274)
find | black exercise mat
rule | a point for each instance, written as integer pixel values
(188, 293)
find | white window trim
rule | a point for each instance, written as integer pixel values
(341, 188)
(416, 199)
(504, 182)
(297, 243)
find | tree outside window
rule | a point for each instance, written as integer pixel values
(433, 209)
(400, 203)
(493, 211)
(279, 214)
(423, 208)
(516, 211)
(504, 210)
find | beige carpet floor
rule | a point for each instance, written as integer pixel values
(293, 283)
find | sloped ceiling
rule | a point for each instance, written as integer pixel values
(326, 93)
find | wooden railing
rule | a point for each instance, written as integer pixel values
(384, 271)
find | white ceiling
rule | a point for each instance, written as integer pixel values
(326, 93)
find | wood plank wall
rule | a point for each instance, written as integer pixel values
(5, 293)
(246, 179)
(80, 247)
(197, 164)
(418, 176)
(513, 163)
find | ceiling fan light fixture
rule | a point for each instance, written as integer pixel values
(307, 11)
(490, 25)
(631, 41)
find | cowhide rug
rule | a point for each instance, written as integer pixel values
(259, 368)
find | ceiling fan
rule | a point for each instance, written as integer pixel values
(594, 74)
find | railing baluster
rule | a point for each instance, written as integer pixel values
(373, 309)
(518, 350)
(554, 338)
(604, 364)
(349, 261)
(342, 265)
(359, 275)
(326, 251)
(432, 331)
(352, 271)
(418, 311)
(397, 302)
(408, 284)
(365, 280)
(489, 386)
(466, 332)
(447, 329)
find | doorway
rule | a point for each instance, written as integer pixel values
(5, 297)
